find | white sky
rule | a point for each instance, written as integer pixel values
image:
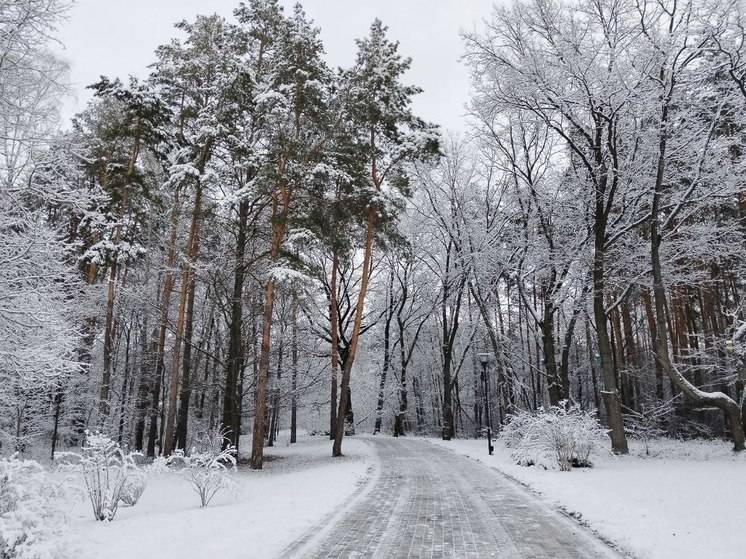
(117, 38)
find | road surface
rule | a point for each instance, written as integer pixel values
(427, 502)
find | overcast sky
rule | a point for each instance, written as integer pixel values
(118, 37)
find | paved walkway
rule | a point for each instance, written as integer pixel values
(428, 502)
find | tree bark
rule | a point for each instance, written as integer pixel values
(610, 392)
(357, 324)
(235, 359)
(386, 354)
(554, 384)
(186, 283)
(294, 372)
(168, 287)
(334, 326)
(280, 207)
(104, 407)
(186, 380)
(109, 325)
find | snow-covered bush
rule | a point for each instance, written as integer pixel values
(649, 421)
(518, 425)
(208, 466)
(32, 524)
(158, 466)
(133, 488)
(561, 437)
(106, 469)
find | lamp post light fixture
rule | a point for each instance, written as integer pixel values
(485, 359)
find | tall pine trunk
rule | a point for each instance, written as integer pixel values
(294, 372)
(168, 287)
(182, 423)
(234, 363)
(280, 207)
(334, 326)
(109, 325)
(354, 338)
(187, 277)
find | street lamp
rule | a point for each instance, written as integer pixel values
(484, 359)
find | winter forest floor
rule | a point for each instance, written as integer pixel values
(413, 497)
(270, 509)
(685, 500)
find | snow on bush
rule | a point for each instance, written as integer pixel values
(561, 437)
(649, 421)
(133, 488)
(158, 466)
(32, 524)
(518, 425)
(208, 466)
(108, 474)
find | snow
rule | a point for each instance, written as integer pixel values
(300, 485)
(685, 500)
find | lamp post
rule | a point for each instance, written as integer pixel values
(484, 359)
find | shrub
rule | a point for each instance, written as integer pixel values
(32, 524)
(133, 488)
(561, 437)
(518, 425)
(158, 466)
(207, 466)
(649, 421)
(106, 469)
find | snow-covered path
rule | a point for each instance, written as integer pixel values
(429, 502)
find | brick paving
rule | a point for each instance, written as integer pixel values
(428, 502)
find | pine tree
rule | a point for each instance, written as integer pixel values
(390, 136)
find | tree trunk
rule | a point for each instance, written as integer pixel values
(104, 407)
(168, 287)
(294, 372)
(653, 327)
(357, 324)
(58, 395)
(564, 370)
(554, 385)
(400, 425)
(591, 361)
(334, 327)
(610, 392)
(109, 326)
(186, 380)
(280, 206)
(275, 394)
(125, 385)
(187, 277)
(386, 354)
(234, 362)
(448, 428)
(419, 406)
(144, 385)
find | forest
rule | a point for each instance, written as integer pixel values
(249, 241)
(226, 239)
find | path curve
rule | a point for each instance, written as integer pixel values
(428, 502)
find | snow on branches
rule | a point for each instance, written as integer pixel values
(32, 521)
(561, 436)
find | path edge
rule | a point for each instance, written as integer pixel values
(315, 535)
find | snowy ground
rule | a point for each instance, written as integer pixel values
(299, 486)
(686, 500)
